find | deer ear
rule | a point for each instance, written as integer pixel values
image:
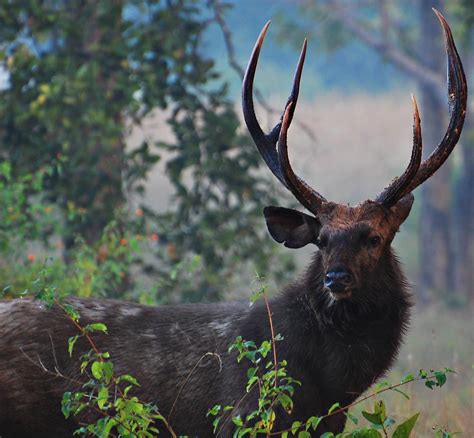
(401, 209)
(290, 227)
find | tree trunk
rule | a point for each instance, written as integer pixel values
(436, 264)
(464, 199)
(464, 222)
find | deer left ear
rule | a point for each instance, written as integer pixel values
(291, 227)
(401, 209)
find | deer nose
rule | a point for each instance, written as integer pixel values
(338, 280)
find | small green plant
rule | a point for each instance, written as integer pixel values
(120, 413)
(441, 432)
(276, 389)
(24, 214)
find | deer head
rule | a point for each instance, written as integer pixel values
(352, 240)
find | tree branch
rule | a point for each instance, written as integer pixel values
(219, 18)
(403, 61)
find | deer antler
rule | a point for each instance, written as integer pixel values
(415, 174)
(399, 186)
(278, 161)
(457, 99)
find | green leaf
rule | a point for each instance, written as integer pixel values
(251, 372)
(110, 423)
(379, 408)
(71, 312)
(108, 370)
(214, 410)
(378, 416)
(96, 327)
(237, 420)
(304, 434)
(423, 374)
(128, 378)
(286, 402)
(430, 384)
(96, 369)
(404, 429)
(352, 417)
(364, 433)
(381, 386)
(70, 344)
(102, 397)
(402, 393)
(334, 407)
(408, 378)
(215, 424)
(295, 426)
(440, 378)
(373, 418)
(66, 404)
(313, 422)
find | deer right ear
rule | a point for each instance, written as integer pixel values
(401, 209)
(291, 227)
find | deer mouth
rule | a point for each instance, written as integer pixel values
(342, 295)
(339, 283)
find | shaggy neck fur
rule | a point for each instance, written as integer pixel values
(382, 293)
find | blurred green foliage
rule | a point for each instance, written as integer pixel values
(80, 75)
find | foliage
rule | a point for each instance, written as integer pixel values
(79, 77)
(276, 388)
(21, 220)
(30, 250)
(274, 394)
(218, 214)
(108, 393)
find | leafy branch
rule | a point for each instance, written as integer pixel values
(276, 389)
(122, 412)
(218, 9)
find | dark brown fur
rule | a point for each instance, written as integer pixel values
(336, 347)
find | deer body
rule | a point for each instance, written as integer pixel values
(342, 322)
(335, 351)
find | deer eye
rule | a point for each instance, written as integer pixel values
(374, 241)
(322, 242)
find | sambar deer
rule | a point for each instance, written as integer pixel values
(342, 322)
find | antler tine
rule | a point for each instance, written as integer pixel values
(264, 145)
(267, 143)
(398, 188)
(308, 197)
(293, 97)
(457, 99)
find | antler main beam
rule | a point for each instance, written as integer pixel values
(457, 99)
(400, 186)
(277, 160)
(274, 149)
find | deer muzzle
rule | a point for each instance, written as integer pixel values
(339, 283)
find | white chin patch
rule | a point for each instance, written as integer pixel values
(341, 295)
